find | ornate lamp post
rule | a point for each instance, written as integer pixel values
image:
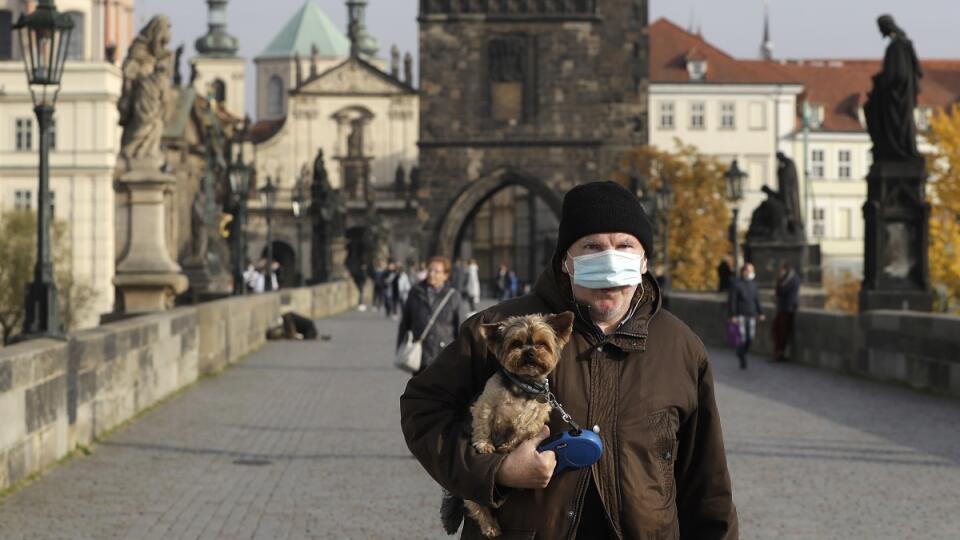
(44, 40)
(734, 177)
(268, 196)
(297, 200)
(665, 199)
(239, 176)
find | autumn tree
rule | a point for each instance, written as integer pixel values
(944, 168)
(18, 250)
(698, 219)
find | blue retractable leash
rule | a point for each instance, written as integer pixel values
(576, 448)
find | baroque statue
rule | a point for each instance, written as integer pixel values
(889, 109)
(142, 105)
(329, 224)
(779, 217)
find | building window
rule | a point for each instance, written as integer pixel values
(922, 117)
(817, 167)
(76, 44)
(510, 72)
(819, 222)
(813, 115)
(22, 199)
(728, 115)
(697, 70)
(219, 90)
(6, 34)
(24, 134)
(275, 96)
(52, 134)
(697, 115)
(666, 115)
(843, 164)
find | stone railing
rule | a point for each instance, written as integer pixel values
(55, 395)
(918, 349)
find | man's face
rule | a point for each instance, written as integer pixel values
(610, 304)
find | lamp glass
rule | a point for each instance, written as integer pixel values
(44, 40)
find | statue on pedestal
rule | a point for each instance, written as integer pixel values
(896, 272)
(148, 278)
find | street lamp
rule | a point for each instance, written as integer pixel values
(268, 196)
(44, 40)
(665, 200)
(734, 177)
(239, 176)
(297, 202)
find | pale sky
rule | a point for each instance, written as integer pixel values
(800, 28)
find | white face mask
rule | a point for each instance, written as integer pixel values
(611, 268)
(750, 276)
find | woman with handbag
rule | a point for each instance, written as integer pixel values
(431, 317)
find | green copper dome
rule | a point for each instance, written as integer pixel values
(309, 26)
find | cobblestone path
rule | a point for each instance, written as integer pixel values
(301, 440)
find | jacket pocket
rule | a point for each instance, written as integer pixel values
(662, 427)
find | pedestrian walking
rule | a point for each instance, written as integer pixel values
(788, 299)
(472, 285)
(389, 283)
(377, 276)
(403, 285)
(425, 298)
(630, 367)
(359, 275)
(743, 309)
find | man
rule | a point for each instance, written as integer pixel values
(743, 308)
(631, 369)
(788, 298)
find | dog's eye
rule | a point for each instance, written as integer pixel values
(540, 345)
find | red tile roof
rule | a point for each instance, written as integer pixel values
(842, 86)
(671, 47)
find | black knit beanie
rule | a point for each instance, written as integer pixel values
(603, 207)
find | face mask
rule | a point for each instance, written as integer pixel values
(750, 276)
(610, 268)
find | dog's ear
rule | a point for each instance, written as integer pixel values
(492, 334)
(562, 324)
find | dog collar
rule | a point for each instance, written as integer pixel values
(532, 388)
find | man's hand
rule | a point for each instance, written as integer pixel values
(526, 468)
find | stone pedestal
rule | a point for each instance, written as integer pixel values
(338, 267)
(147, 277)
(895, 262)
(205, 282)
(767, 256)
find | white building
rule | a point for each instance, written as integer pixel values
(750, 109)
(86, 137)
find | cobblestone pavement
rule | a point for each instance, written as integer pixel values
(301, 440)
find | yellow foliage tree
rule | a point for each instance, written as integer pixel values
(944, 168)
(698, 218)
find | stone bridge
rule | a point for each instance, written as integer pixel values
(301, 439)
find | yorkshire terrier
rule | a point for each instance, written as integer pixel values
(505, 415)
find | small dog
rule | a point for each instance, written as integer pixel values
(504, 415)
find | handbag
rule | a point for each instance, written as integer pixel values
(734, 339)
(409, 356)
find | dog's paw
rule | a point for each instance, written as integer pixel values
(491, 531)
(484, 447)
(505, 448)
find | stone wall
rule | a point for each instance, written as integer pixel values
(55, 395)
(921, 350)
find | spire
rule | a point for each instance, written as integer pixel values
(361, 42)
(766, 48)
(217, 42)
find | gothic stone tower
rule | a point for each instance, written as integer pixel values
(544, 94)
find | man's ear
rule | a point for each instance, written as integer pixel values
(562, 325)
(490, 332)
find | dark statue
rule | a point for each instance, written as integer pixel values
(889, 109)
(329, 220)
(779, 218)
(399, 181)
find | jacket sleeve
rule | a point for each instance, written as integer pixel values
(756, 299)
(704, 499)
(732, 300)
(435, 418)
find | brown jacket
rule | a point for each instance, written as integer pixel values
(649, 387)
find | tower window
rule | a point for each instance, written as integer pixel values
(275, 96)
(219, 90)
(511, 79)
